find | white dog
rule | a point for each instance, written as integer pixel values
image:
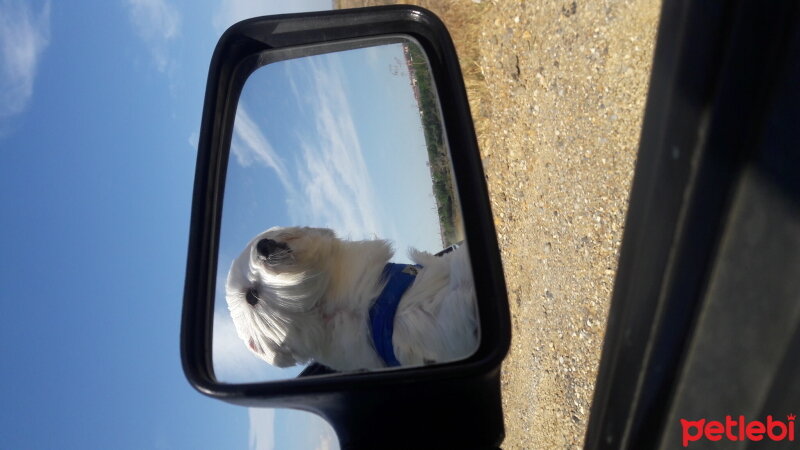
(298, 295)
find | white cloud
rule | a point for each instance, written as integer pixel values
(24, 34)
(193, 139)
(336, 185)
(304, 430)
(330, 185)
(262, 428)
(249, 145)
(319, 434)
(372, 56)
(327, 439)
(231, 11)
(157, 23)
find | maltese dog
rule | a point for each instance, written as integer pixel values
(302, 295)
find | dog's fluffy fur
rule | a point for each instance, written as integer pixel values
(309, 300)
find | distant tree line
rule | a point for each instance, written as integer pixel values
(439, 160)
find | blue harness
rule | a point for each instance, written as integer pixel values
(381, 316)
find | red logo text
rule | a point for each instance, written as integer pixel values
(737, 429)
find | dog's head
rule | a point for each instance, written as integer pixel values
(273, 289)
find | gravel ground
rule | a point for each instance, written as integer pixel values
(557, 90)
(569, 83)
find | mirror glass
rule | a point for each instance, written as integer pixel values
(338, 166)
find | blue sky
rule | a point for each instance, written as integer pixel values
(100, 105)
(332, 141)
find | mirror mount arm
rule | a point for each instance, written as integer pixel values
(456, 413)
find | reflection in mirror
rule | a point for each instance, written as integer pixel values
(341, 244)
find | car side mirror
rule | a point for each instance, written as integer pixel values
(350, 131)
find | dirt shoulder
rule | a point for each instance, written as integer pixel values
(557, 90)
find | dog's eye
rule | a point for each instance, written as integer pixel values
(252, 297)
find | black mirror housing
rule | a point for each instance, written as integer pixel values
(455, 404)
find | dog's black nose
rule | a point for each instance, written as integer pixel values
(266, 247)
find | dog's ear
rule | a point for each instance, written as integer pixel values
(273, 353)
(327, 232)
(284, 359)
